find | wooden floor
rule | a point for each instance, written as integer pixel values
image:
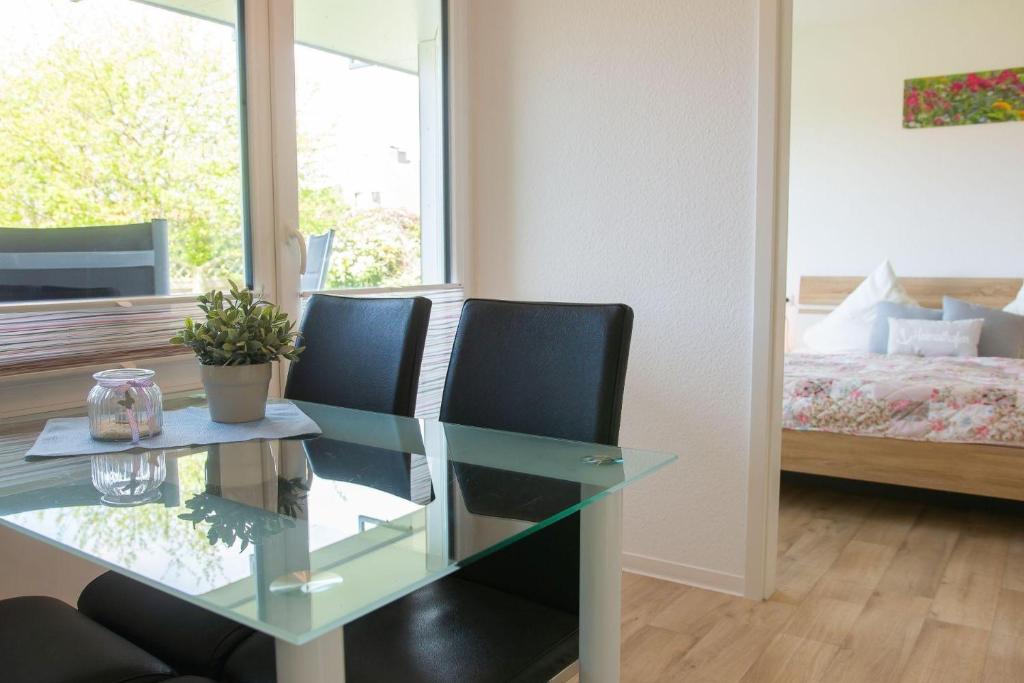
(870, 589)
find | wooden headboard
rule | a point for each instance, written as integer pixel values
(928, 291)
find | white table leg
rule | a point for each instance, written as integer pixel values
(318, 661)
(601, 590)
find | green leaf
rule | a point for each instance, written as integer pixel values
(239, 330)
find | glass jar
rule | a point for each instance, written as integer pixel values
(129, 478)
(125, 405)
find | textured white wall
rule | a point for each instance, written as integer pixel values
(31, 567)
(613, 161)
(936, 202)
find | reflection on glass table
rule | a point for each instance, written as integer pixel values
(129, 478)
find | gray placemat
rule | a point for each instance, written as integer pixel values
(185, 427)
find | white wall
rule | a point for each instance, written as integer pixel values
(938, 201)
(31, 567)
(613, 161)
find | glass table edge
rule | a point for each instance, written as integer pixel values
(255, 624)
(435, 575)
(422, 421)
(195, 398)
(312, 634)
(569, 511)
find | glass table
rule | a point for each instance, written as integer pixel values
(296, 538)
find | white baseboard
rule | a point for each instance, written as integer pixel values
(683, 573)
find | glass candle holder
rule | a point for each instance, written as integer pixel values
(126, 479)
(125, 405)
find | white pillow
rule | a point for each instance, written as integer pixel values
(1017, 305)
(915, 337)
(848, 327)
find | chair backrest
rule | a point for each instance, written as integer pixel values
(87, 262)
(405, 475)
(318, 261)
(361, 353)
(548, 369)
(540, 368)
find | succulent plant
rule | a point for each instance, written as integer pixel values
(239, 329)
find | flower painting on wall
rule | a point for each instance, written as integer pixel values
(961, 99)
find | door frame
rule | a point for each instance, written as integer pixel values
(774, 59)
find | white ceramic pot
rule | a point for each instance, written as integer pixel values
(236, 393)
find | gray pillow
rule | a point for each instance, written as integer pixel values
(884, 310)
(932, 338)
(1003, 333)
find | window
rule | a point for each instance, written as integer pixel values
(125, 129)
(120, 150)
(370, 140)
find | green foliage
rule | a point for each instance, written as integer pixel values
(239, 330)
(185, 550)
(123, 121)
(372, 247)
(375, 248)
(137, 126)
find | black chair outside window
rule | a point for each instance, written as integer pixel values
(318, 262)
(84, 263)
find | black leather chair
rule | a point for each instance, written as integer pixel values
(44, 640)
(360, 353)
(548, 369)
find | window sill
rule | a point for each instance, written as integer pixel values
(129, 302)
(67, 387)
(369, 291)
(83, 304)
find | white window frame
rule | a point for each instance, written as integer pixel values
(273, 204)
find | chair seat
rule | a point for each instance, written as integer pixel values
(450, 630)
(45, 640)
(191, 639)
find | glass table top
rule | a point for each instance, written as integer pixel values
(297, 537)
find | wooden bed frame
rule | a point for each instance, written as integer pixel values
(996, 471)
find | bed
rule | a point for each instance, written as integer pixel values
(952, 424)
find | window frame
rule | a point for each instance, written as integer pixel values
(270, 207)
(435, 141)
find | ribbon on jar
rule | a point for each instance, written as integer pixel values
(128, 403)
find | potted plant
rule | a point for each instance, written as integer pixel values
(235, 346)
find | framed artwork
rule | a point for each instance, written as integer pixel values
(963, 99)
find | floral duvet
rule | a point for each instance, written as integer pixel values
(963, 400)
